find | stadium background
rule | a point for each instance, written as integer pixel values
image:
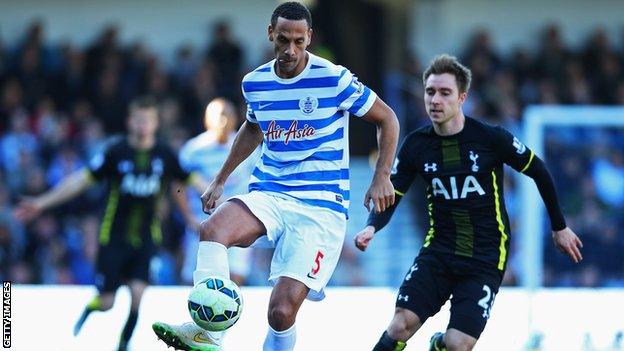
(69, 67)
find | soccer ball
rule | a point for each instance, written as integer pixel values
(215, 304)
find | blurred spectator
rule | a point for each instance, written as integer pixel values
(17, 147)
(227, 57)
(608, 174)
(12, 238)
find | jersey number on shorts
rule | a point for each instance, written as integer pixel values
(487, 301)
(317, 261)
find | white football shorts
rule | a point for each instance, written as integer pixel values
(307, 239)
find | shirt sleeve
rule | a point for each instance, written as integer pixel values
(512, 151)
(249, 114)
(353, 96)
(175, 169)
(403, 170)
(403, 174)
(186, 159)
(102, 164)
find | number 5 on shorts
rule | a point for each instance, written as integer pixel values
(317, 262)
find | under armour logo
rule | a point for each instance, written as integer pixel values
(473, 157)
(412, 269)
(433, 167)
(403, 297)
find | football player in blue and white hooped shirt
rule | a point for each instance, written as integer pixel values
(298, 108)
(205, 154)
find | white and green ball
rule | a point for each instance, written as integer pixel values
(215, 303)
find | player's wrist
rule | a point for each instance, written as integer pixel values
(382, 172)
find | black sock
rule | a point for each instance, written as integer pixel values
(126, 334)
(94, 305)
(386, 343)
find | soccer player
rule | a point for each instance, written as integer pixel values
(464, 254)
(298, 108)
(205, 154)
(138, 169)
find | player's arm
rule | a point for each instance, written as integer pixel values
(523, 160)
(247, 139)
(179, 198)
(381, 190)
(198, 182)
(402, 178)
(67, 189)
(565, 239)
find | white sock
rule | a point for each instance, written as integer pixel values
(212, 260)
(280, 340)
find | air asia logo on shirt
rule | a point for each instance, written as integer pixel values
(470, 185)
(275, 132)
(140, 185)
(308, 104)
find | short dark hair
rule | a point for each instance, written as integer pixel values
(449, 64)
(291, 10)
(142, 102)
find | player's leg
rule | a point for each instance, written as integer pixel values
(304, 260)
(471, 305)
(107, 281)
(135, 272)
(240, 260)
(190, 244)
(456, 340)
(137, 288)
(103, 301)
(286, 299)
(235, 222)
(403, 326)
(231, 224)
(426, 287)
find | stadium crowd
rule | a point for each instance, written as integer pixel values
(59, 103)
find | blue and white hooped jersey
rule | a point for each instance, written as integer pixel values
(204, 155)
(305, 121)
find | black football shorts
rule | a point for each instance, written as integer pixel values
(435, 278)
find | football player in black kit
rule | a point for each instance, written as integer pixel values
(138, 169)
(465, 250)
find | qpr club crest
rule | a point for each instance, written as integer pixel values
(308, 104)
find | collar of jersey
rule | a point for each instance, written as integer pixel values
(296, 78)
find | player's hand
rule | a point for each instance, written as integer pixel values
(363, 238)
(27, 209)
(568, 243)
(381, 192)
(211, 195)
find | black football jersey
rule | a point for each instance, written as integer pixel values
(464, 177)
(137, 179)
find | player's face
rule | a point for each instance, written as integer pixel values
(143, 122)
(442, 98)
(290, 39)
(219, 117)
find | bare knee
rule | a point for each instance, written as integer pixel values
(106, 301)
(137, 288)
(459, 341)
(208, 231)
(232, 224)
(404, 324)
(281, 316)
